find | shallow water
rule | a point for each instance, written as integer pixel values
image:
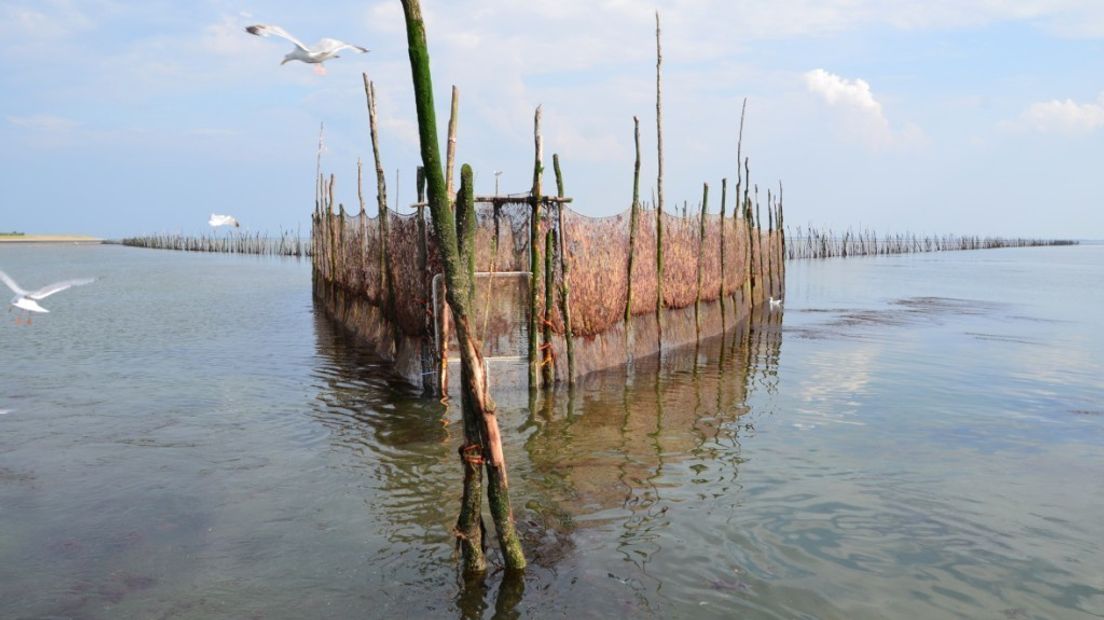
(914, 436)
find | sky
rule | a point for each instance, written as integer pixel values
(977, 117)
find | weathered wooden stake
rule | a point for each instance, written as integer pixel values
(548, 363)
(387, 293)
(634, 216)
(427, 353)
(659, 189)
(701, 252)
(534, 250)
(723, 223)
(450, 149)
(565, 270)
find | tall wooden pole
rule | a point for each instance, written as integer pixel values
(723, 223)
(659, 188)
(548, 364)
(701, 252)
(480, 405)
(634, 216)
(387, 294)
(534, 250)
(565, 270)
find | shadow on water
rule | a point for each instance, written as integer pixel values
(597, 470)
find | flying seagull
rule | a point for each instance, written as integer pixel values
(28, 300)
(223, 220)
(320, 53)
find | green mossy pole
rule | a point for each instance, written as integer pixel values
(548, 364)
(469, 524)
(701, 251)
(535, 251)
(474, 381)
(634, 216)
(565, 270)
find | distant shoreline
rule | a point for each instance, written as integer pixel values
(49, 239)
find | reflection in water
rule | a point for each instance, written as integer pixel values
(607, 457)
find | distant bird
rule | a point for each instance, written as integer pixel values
(322, 51)
(223, 220)
(28, 300)
(775, 303)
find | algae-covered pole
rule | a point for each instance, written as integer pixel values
(659, 189)
(548, 364)
(474, 381)
(565, 269)
(701, 251)
(634, 215)
(469, 524)
(534, 248)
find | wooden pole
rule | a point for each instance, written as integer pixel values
(450, 150)
(723, 223)
(701, 251)
(469, 524)
(475, 379)
(634, 215)
(387, 294)
(749, 221)
(534, 249)
(427, 354)
(782, 239)
(548, 364)
(565, 270)
(659, 189)
(770, 244)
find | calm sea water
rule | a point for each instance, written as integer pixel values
(917, 436)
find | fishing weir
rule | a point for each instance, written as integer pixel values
(633, 285)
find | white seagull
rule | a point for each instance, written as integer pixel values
(223, 220)
(28, 300)
(775, 303)
(322, 51)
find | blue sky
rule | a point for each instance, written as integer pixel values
(962, 116)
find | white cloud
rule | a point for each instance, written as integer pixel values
(860, 112)
(43, 122)
(1066, 116)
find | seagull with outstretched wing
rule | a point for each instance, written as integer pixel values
(317, 54)
(28, 300)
